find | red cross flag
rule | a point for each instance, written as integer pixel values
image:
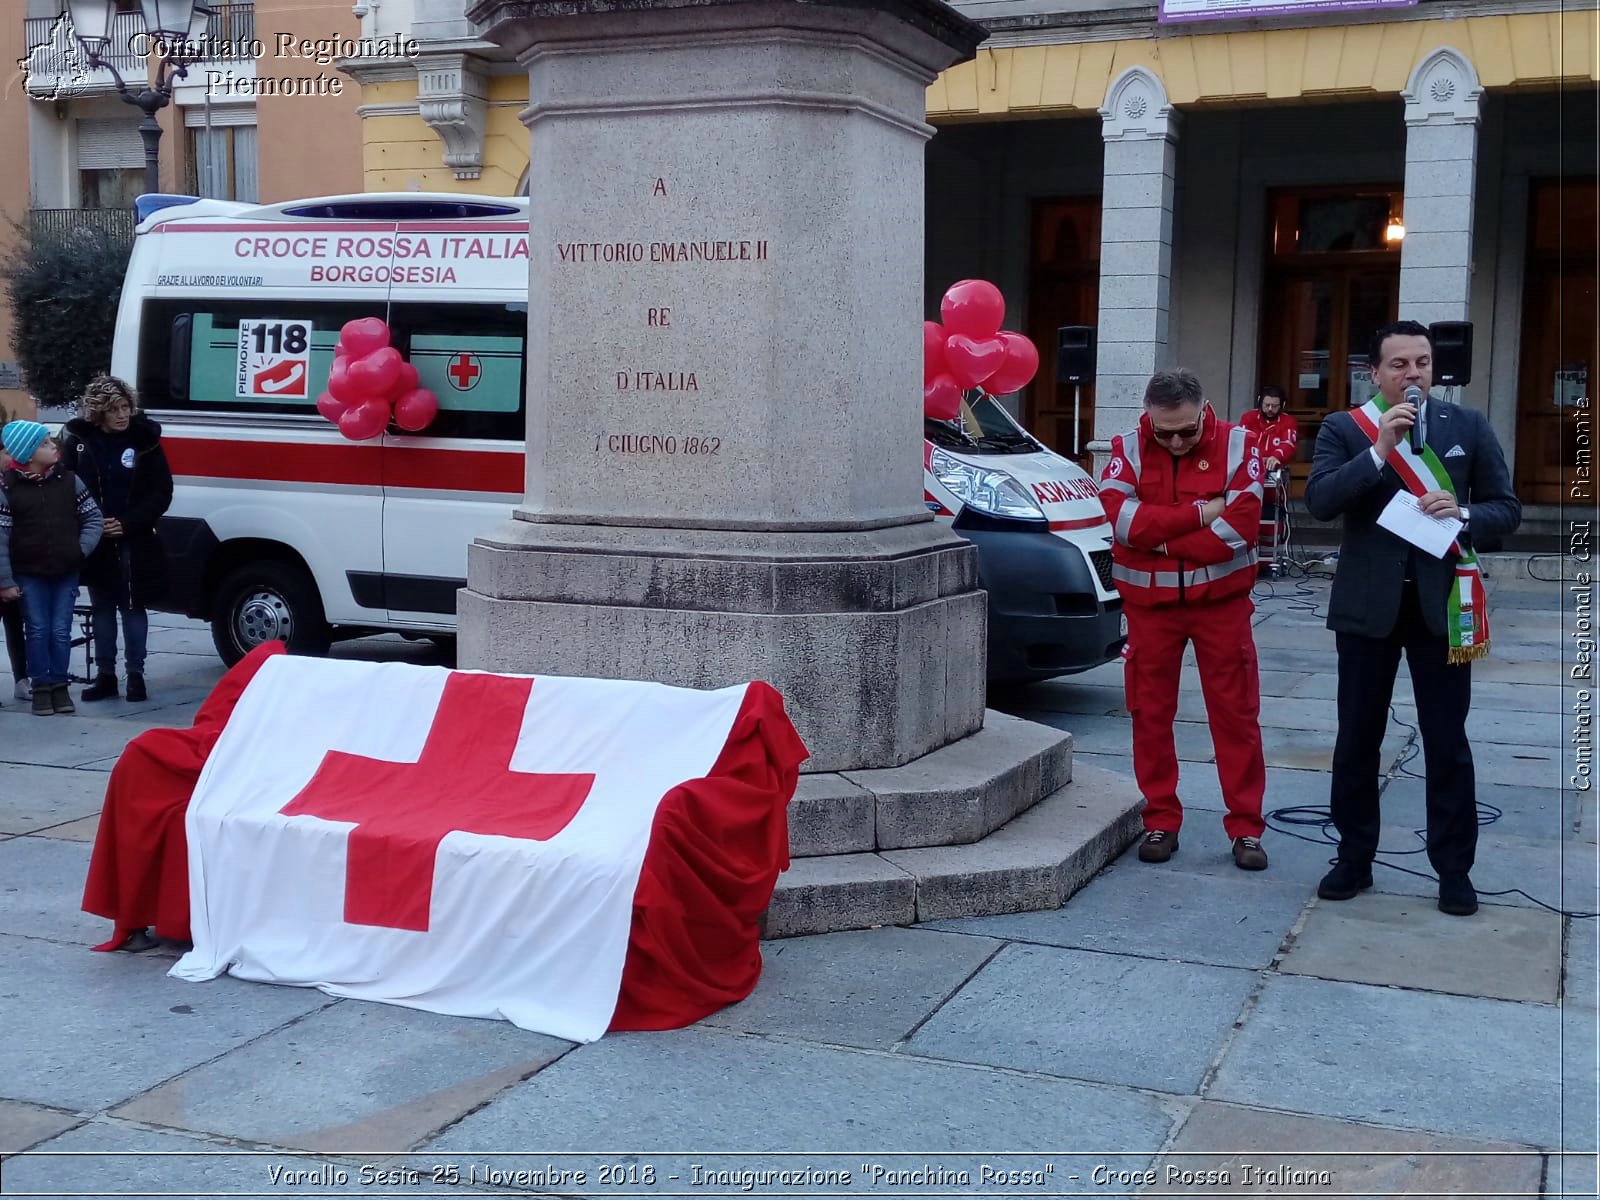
(540, 850)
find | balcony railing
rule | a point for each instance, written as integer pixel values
(47, 225)
(56, 65)
(233, 26)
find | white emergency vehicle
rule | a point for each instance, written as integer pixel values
(1044, 545)
(281, 527)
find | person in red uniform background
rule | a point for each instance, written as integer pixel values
(1183, 495)
(1277, 430)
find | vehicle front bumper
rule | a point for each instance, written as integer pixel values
(1045, 614)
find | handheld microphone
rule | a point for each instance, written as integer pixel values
(1419, 431)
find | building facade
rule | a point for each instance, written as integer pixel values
(1248, 196)
(265, 114)
(1251, 199)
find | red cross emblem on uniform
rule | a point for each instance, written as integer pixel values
(462, 781)
(463, 372)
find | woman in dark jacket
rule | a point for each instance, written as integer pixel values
(116, 450)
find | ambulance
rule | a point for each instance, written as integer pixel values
(282, 528)
(1044, 545)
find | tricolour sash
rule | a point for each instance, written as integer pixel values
(1467, 622)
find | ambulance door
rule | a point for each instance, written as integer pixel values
(461, 476)
(261, 479)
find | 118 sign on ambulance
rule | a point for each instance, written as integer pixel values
(274, 360)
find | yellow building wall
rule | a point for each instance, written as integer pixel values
(1356, 61)
(401, 153)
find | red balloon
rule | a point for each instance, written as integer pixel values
(374, 376)
(941, 398)
(339, 382)
(970, 361)
(408, 381)
(331, 406)
(363, 337)
(414, 410)
(1017, 369)
(365, 421)
(973, 307)
(933, 335)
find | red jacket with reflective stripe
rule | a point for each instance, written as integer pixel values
(1278, 438)
(1153, 499)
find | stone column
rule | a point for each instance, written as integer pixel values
(724, 374)
(1140, 129)
(1442, 101)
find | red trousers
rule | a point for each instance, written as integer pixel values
(1225, 652)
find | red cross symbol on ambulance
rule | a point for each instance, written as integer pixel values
(463, 372)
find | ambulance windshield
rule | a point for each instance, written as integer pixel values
(983, 427)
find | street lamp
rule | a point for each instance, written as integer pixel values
(176, 31)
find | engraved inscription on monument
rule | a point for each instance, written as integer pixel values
(677, 370)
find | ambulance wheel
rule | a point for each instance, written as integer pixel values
(268, 601)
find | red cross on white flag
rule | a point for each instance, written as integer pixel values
(460, 842)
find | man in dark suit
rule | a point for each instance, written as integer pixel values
(1390, 596)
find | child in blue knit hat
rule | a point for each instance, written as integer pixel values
(48, 525)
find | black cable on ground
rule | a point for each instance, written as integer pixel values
(1533, 558)
(1282, 820)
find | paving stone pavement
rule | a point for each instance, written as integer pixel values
(1167, 1022)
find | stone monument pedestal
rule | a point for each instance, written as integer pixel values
(875, 637)
(724, 404)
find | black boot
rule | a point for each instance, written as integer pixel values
(104, 687)
(1457, 896)
(136, 690)
(1345, 880)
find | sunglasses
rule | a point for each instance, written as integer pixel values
(1177, 435)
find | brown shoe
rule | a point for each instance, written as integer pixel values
(61, 700)
(1248, 854)
(1158, 846)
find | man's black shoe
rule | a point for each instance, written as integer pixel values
(1345, 880)
(104, 687)
(1457, 896)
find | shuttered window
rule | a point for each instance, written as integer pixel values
(109, 145)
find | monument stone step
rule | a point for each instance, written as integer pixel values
(1035, 861)
(958, 793)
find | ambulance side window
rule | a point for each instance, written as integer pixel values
(190, 353)
(471, 356)
(193, 356)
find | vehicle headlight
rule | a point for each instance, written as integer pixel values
(992, 492)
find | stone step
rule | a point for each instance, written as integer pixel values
(955, 795)
(1035, 861)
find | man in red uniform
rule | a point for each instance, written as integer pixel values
(1279, 435)
(1276, 429)
(1182, 491)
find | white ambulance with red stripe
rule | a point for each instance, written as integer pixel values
(1044, 545)
(282, 528)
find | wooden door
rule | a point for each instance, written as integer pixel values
(1559, 339)
(1333, 277)
(1063, 289)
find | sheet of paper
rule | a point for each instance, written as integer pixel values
(1403, 517)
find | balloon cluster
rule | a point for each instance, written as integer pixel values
(970, 350)
(370, 383)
